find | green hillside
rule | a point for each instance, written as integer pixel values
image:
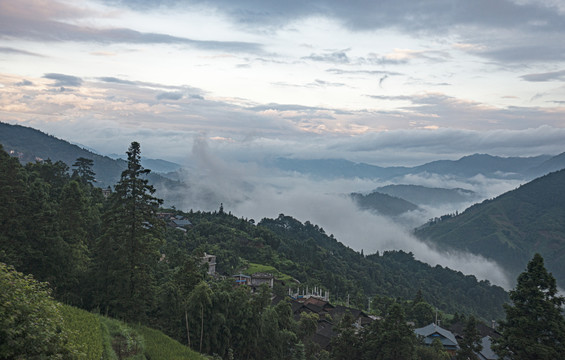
(31, 145)
(512, 227)
(383, 204)
(35, 326)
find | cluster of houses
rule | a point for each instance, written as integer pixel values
(255, 280)
(178, 222)
(316, 300)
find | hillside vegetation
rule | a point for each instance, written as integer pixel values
(511, 228)
(117, 254)
(30, 145)
(383, 204)
(34, 325)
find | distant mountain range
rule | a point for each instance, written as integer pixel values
(511, 228)
(30, 145)
(522, 168)
(423, 195)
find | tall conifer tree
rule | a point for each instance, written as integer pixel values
(128, 250)
(534, 327)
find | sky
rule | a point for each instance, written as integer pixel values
(226, 85)
(384, 82)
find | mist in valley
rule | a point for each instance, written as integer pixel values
(251, 191)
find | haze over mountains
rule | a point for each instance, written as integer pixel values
(388, 202)
(466, 167)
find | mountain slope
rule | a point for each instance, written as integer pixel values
(468, 166)
(383, 203)
(487, 165)
(30, 145)
(556, 163)
(512, 227)
(423, 195)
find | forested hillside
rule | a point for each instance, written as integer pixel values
(512, 227)
(383, 204)
(29, 145)
(115, 255)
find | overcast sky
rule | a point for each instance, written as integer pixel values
(392, 82)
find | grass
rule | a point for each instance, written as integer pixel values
(100, 338)
(160, 346)
(255, 268)
(85, 332)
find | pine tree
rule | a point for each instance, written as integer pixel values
(73, 219)
(128, 250)
(470, 345)
(13, 197)
(534, 327)
(83, 170)
(398, 339)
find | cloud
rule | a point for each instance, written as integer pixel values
(24, 82)
(435, 16)
(169, 96)
(253, 192)
(9, 50)
(336, 57)
(379, 73)
(115, 80)
(548, 76)
(64, 80)
(403, 56)
(109, 105)
(15, 22)
(548, 52)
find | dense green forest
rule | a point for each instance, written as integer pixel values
(511, 228)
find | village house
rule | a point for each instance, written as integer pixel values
(259, 279)
(178, 222)
(210, 260)
(432, 331)
(242, 279)
(328, 314)
(487, 335)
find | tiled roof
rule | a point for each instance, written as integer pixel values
(432, 331)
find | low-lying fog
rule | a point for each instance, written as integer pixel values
(250, 191)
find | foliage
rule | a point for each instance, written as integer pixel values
(111, 256)
(511, 227)
(534, 327)
(397, 339)
(85, 332)
(383, 203)
(159, 346)
(470, 344)
(128, 250)
(433, 352)
(31, 325)
(346, 345)
(126, 341)
(259, 268)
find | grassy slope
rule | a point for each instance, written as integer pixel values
(97, 337)
(258, 268)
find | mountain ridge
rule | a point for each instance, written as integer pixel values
(511, 227)
(525, 168)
